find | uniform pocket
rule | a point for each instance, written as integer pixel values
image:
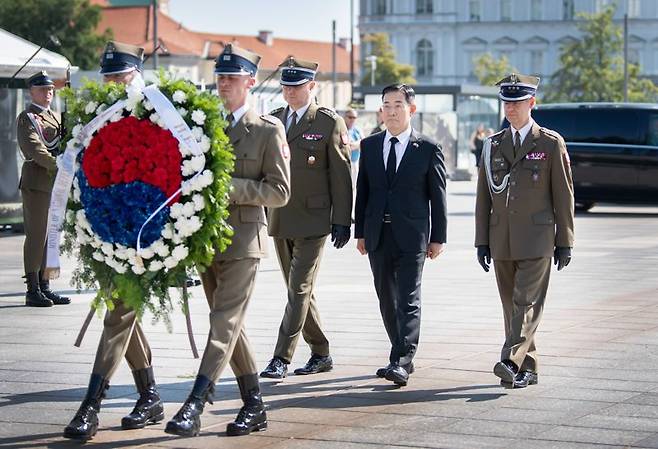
(543, 218)
(246, 164)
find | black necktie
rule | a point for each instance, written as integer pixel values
(517, 143)
(229, 119)
(293, 121)
(391, 161)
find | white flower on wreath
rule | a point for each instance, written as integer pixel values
(176, 210)
(120, 268)
(198, 117)
(167, 231)
(188, 209)
(118, 115)
(148, 105)
(147, 253)
(155, 117)
(75, 132)
(204, 143)
(170, 262)
(161, 249)
(156, 265)
(197, 132)
(101, 108)
(180, 253)
(107, 249)
(182, 112)
(91, 107)
(138, 269)
(179, 96)
(98, 256)
(199, 202)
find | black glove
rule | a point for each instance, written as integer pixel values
(484, 257)
(561, 257)
(340, 235)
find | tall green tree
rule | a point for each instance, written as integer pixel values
(592, 68)
(74, 23)
(490, 70)
(387, 70)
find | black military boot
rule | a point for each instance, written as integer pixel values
(84, 424)
(252, 416)
(44, 286)
(33, 296)
(149, 409)
(186, 422)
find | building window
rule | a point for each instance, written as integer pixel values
(505, 10)
(424, 58)
(601, 5)
(567, 9)
(474, 10)
(535, 10)
(634, 56)
(379, 7)
(424, 6)
(536, 62)
(633, 8)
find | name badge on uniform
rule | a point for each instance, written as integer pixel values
(536, 156)
(312, 137)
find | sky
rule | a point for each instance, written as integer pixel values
(308, 20)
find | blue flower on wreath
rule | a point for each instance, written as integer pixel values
(117, 212)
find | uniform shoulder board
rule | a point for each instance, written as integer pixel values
(270, 119)
(277, 110)
(550, 132)
(330, 112)
(495, 137)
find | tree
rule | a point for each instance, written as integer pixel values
(489, 70)
(592, 68)
(387, 70)
(74, 23)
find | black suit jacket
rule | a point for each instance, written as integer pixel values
(416, 198)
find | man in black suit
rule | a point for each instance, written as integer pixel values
(400, 219)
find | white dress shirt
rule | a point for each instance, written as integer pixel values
(238, 113)
(300, 112)
(523, 131)
(400, 147)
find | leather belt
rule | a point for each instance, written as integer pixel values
(386, 218)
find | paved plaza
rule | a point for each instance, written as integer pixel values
(598, 344)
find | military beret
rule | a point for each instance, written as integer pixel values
(234, 60)
(295, 72)
(121, 58)
(515, 87)
(40, 79)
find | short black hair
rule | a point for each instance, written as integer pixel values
(407, 91)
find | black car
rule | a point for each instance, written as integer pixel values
(613, 149)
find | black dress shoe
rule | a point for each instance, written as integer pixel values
(316, 364)
(381, 372)
(33, 296)
(505, 370)
(276, 369)
(398, 375)
(525, 378)
(187, 422)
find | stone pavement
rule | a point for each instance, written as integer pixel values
(598, 343)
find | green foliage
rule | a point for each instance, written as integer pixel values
(592, 68)
(387, 70)
(489, 70)
(150, 290)
(74, 22)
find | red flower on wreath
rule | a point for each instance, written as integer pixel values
(133, 150)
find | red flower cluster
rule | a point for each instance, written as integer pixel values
(133, 150)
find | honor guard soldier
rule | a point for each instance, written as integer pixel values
(524, 215)
(320, 203)
(38, 131)
(261, 179)
(122, 333)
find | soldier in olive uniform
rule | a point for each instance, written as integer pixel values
(38, 132)
(261, 179)
(122, 333)
(321, 203)
(524, 216)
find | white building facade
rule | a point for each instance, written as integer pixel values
(441, 38)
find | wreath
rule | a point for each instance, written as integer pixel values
(146, 207)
